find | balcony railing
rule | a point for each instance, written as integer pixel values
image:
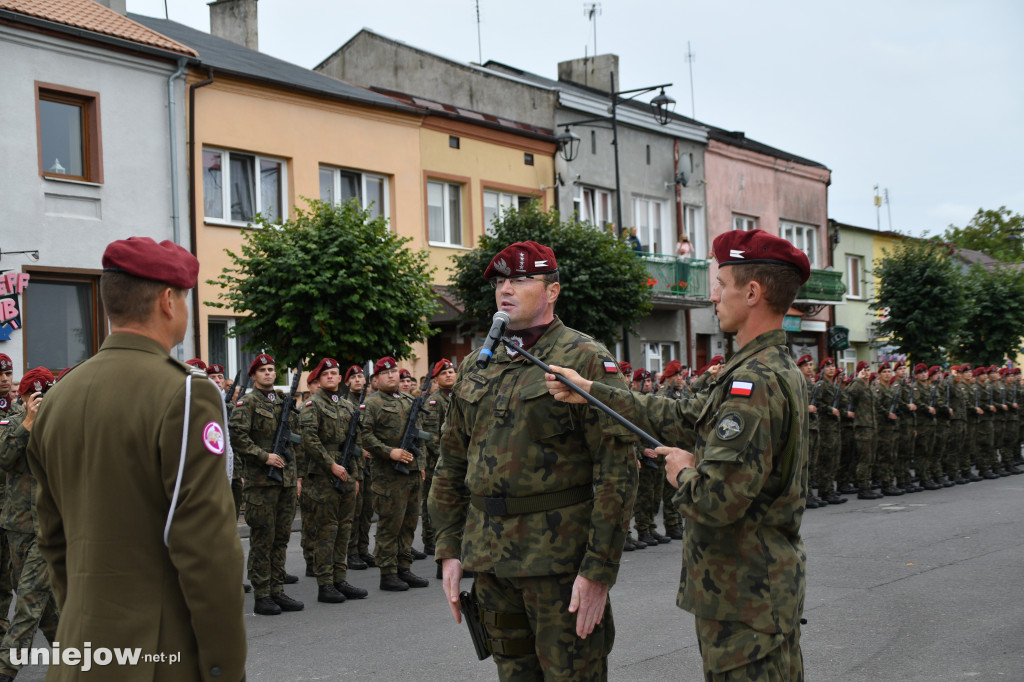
(667, 275)
(823, 285)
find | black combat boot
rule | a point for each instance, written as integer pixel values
(411, 579)
(834, 498)
(989, 474)
(391, 583)
(368, 560)
(868, 494)
(350, 591)
(662, 539)
(265, 606)
(627, 546)
(356, 564)
(892, 491)
(290, 579)
(929, 484)
(310, 573)
(328, 594)
(416, 554)
(287, 603)
(649, 539)
(676, 533)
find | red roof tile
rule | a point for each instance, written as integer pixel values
(92, 16)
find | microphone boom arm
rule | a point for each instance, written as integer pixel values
(589, 398)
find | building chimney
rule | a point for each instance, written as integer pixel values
(118, 6)
(235, 20)
(594, 72)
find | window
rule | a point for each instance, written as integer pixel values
(651, 228)
(496, 203)
(237, 186)
(848, 361)
(444, 213)
(693, 226)
(657, 354)
(453, 141)
(593, 142)
(854, 270)
(338, 185)
(648, 155)
(528, 158)
(62, 321)
(594, 206)
(803, 237)
(69, 133)
(742, 222)
(227, 350)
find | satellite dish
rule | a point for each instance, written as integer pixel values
(683, 178)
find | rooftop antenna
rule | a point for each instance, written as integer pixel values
(690, 57)
(888, 206)
(166, 14)
(591, 10)
(878, 210)
(479, 44)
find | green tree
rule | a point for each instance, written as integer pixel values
(998, 233)
(604, 284)
(332, 282)
(921, 292)
(995, 320)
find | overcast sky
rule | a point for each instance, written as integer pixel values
(923, 97)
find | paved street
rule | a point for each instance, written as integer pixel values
(920, 587)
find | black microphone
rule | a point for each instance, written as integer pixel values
(498, 324)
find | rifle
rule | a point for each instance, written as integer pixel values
(348, 449)
(894, 408)
(948, 404)
(241, 393)
(412, 435)
(284, 434)
(935, 389)
(814, 393)
(227, 396)
(839, 390)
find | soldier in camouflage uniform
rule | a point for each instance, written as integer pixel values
(330, 487)
(805, 363)
(443, 374)
(887, 429)
(359, 557)
(862, 409)
(307, 531)
(670, 514)
(8, 410)
(830, 402)
(743, 491)
(985, 452)
(396, 494)
(959, 462)
(36, 607)
(533, 495)
(907, 426)
(269, 505)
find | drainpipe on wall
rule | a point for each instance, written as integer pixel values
(197, 339)
(172, 134)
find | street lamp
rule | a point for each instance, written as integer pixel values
(569, 144)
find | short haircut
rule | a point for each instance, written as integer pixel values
(780, 283)
(550, 277)
(128, 299)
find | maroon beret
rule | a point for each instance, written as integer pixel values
(639, 374)
(440, 366)
(197, 363)
(898, 364)
(1003, 371)
(63, 372)
(522, 258)
(863, 364)
(717, 360)
(965, 368)
(1016, 370)
(673, 368)
(325, 363)
(955, 368)
(35, 380)
(826, 362)
(884, 365)
(261, 359)
(354, 369)
(386, 362)
(626, 368)
(993, 369)
(920, 367)
(737, 247)
(874, 375)
(802, 360)
(142, 257)
(215, 369)
(979, 371)
(404, 374)
(933, 370)
(5, 363)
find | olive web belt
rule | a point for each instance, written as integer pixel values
(513, 506)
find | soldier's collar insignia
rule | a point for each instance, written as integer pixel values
(271, 397)
(3, 403)
(334, 398)
(518, 341)
(729, 426)
(213, 438)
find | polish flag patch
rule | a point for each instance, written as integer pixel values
(741, 388)
(610, 367)
(432, 403)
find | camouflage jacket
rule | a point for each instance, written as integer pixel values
(252, 427)
(324, 423)
(862, 404)
(381, 431)
(958, 398)
(743, 558)
(8, 410)
(985, 400)
(812, 391)
(506, 437)
(433, 419)
(19, 503)
(826, 399)
(883, 401)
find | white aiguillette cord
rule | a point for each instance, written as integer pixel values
(181, 460)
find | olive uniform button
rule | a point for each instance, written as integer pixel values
(215, 671)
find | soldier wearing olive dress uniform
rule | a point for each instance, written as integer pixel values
(134, 504)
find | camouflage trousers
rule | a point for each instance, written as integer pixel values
(904, 450)
(649, 494)
(307, 529)
(734, 652)
(1010, 450)
(864, 441)
(847, 456)
(940, 451)
(397, 503)
(519, 612)
(984, 454)
(362, 518)
(885, 454)
(427, 528)
(923, 448)
(6, 578)
(828, 459)
(236, 495)
(36, 608)
(330, 520)
(970, 441)
(812, 455)
(269, 512)
(959, 462)
(669, 511)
